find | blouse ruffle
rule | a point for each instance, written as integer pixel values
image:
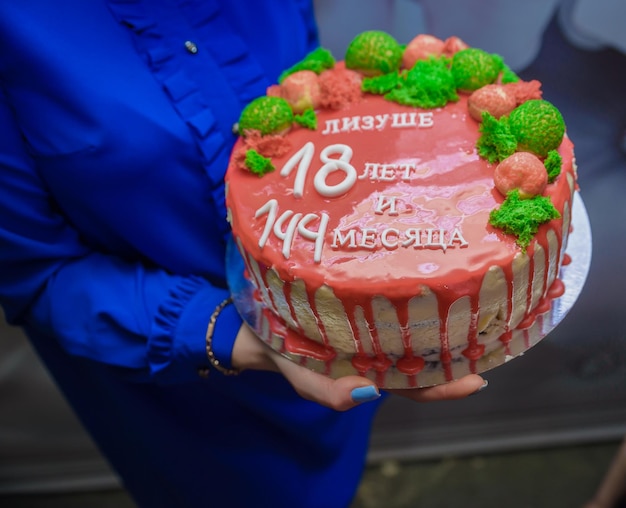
(179, 326)
(186, 94)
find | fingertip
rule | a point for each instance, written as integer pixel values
(352, 391)
(459, 389)
(485, 384)
(474, 383)
(366, 393)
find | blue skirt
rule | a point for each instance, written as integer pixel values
(244, 441)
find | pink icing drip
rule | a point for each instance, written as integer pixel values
(527, 322)
(557, 289)
(380, 362)
(474, 350)
(298, 344)
(361, 361)
(506, 337)
(409, 364)
(445, 356)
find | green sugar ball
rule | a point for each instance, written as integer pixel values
(374, 53)
(538, 126)
(268, 115)
(473, 68)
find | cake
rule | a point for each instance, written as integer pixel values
(402, 214)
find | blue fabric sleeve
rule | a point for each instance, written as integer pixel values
(147, 321)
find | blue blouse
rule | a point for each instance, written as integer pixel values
(116, 123)
(115, 131)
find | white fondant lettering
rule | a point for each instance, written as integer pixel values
(369, 167)
(386, 203)
(332, 127)
(368, 238)
(392, 238)
(350, 124)
(318, 235)
(375, 172)
(381, 121)
(384, 238)
(303, 159)
(340, 240)
(387, 172)
(457, 236)
(406, 169)
(412, 237)
(332, 165)
(287, 235)
(296, 223)
(367, 123)
(371, 170)
(435, 239)
(402, 120)
(271, 209)
(429, 237)
(426, 119)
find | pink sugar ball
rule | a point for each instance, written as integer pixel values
(493, 99)
(420, 48)
(524, 171)
(301, 90)
(453, 45)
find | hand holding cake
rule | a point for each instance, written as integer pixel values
(339, 394)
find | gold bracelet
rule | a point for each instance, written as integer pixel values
(215, 363)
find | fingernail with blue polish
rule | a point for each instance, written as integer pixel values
(365, 394)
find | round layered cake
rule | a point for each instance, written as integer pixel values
(401, 218)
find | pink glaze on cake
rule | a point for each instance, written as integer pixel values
(384, 264)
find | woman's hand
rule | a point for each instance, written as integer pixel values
(340, 394)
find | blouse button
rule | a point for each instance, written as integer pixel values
(191, 47)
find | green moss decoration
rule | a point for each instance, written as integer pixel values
(307, 119)
(268, 115)
(374, 53)
(473, 68)
(522, 217)
(508, 76)
(258, 164)
(382, 84)
(553, 164)
(429, 84)
(317, 61)
(496, 141)
(538, 126)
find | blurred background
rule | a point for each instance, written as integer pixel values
(552, 419)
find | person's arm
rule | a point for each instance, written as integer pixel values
(146, 321)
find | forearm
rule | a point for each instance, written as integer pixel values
(126, 315)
